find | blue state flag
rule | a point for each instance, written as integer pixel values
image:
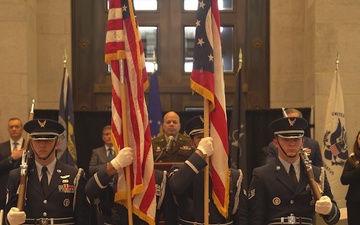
(67, 148)
(154, 105)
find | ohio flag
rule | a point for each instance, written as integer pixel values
(207, 79)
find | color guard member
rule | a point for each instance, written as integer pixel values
(55, 191)
(279, 192)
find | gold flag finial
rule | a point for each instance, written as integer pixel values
(65, 58)
(337, 61)
(240, 60)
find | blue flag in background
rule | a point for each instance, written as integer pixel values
(154, 105)
(67, 148)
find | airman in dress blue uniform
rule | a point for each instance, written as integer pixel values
(276, 196)
(187, 184)
(62, 200)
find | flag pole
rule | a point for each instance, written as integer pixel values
(154, 61)
(125, 137)
(206, 169)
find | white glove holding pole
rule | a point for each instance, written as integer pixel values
(206, 146)
(15, 216)
(323, 205)
(123, 158)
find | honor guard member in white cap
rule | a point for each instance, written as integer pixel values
(187, 184)
(279, 192)
(55, 191)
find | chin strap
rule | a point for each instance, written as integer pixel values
(45, 158)
(286, 153)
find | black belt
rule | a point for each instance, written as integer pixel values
(186, 222)
(290, 220)
(50, 221)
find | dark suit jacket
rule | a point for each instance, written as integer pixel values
(5, 167)
(65, 196)
(271, 195)
(98, 158)
(315, 155)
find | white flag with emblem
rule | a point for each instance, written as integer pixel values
(335, 149)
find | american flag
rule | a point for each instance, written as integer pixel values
(67, 148)
(123, 42)
(207, 79)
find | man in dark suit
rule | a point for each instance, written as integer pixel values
(279, 192)
(55, 192)
(312, 146)
(171, 146)
(99, 157)
(10, 155)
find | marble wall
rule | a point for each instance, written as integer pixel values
(35, 35)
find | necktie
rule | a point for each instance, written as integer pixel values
(15, 146)
(110, 154)
(44, 179)
(292, 174)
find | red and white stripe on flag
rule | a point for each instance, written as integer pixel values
(123, 42)
(207, 79)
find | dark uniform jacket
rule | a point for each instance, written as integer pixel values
(315, 155)
(6, 164)
(179, 151)
(188, 187)
(164, 201)
(271, 195)
(65, 196)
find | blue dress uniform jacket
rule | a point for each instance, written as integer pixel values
(188, 187)
(98, 183)
(271, 195)
(65, 197)
(179, 152)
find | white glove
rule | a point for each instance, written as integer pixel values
(323, 205)
(123, 158)
(206, 146)
(15, 216)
